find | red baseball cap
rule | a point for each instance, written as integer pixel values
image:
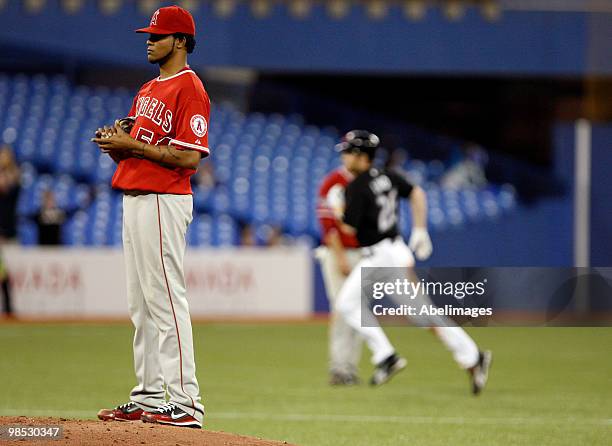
(170, 20)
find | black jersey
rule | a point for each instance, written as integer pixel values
(372, 205)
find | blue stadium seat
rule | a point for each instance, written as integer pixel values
(267, 167)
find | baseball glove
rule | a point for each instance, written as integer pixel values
(126, 124)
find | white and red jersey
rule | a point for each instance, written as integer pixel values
(172, 111)
(331, 206)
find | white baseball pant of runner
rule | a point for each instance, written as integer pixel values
(154, 228)
(395, 253)
(344, 341)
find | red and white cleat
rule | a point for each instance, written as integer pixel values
(171, 414)
(125, 412)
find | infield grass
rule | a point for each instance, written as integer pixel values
(548, 386)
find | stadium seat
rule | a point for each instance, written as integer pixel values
(267, 168)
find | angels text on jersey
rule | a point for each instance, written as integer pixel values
(155, 110)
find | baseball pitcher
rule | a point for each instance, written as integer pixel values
(157, 148)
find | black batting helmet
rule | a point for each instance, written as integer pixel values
(359, 141)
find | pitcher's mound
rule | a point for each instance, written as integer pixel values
(90, 432)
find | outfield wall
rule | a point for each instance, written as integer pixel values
(228, 283)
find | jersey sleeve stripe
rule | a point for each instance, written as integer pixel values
(190, 146)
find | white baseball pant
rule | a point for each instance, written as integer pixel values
(395, 253)
(344, 341)
(154, 228)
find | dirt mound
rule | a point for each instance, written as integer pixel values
(90, 432)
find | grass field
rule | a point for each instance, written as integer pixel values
(548, 386)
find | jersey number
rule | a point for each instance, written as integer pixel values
(387, 217)
(145, 135)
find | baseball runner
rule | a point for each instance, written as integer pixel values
(372, 214)
(338, 256)
(158, 147)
